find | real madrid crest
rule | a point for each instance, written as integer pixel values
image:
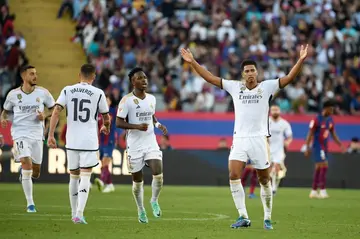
(136, 101)
(260, 91)
(19, 96)
(242, 89)
(38, 99)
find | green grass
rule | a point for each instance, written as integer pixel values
(188, 212)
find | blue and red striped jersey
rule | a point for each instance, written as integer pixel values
(108, 140)
(321, 126)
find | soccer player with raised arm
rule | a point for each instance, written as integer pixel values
(136, 114)
(319, 134)
(107, 145)
(28, 104)
(82, 102)
(251, 102)
(281, 137)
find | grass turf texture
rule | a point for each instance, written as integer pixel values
(188, 212)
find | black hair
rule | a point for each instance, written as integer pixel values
(112, 99)
(134, 71)
(247, 63)
(329, 103)
(87, 70)
(25, 68)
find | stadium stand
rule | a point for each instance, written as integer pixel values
(117, 35)
(12, 51)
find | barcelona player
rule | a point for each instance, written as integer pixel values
(250, 170)
(107, 145)
(320, 129)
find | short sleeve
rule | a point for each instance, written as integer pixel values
(49, 100)
(103, 106)
(9, 104)
(62, 98)
(229, 85)
(288, 131)
(272, 86)
(123, 109)
(313, 124)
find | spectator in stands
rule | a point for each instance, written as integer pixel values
(222, 33)
(66, 5)
(355, 105)
(222, 145)
(354, 146)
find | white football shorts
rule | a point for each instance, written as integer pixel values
(137, 159)
(254, 148)
(81, 159)
(25, 147)
(278, 157)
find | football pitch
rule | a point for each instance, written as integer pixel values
(188, 212)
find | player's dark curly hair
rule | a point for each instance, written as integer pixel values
(329, 103)
(247, 63)
(25, 68)
(134, 71)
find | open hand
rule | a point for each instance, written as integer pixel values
(303, 51)
(187, 55)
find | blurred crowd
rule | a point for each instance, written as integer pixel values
(117, 35)
(12, 51)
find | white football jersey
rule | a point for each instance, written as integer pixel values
(83, 102)
(251, 106)
(279, 130)
(138, 111)
(24, 107)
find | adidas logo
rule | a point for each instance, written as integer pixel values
(83, 191)
(138, 107)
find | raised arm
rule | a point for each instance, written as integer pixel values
(284, 81)
(205, 74)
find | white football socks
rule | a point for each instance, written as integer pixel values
(27, 185)
(73, 193)
(138, 192)
(238, 195)
(156, 186)
(266, 199)
(83, 194)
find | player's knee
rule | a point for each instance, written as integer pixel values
(137, 177)
(106, 161)
(36, 174)
(264, 180)
(26, 163)
(234, 175)
(75, 172)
